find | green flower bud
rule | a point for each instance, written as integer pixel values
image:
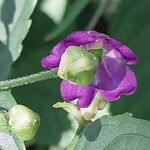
(97, 104)
(78, 65)
(23, 121)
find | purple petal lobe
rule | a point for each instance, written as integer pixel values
(83, 94)
(127, 54)
(50, 61)
(126, 87)
(110, 71)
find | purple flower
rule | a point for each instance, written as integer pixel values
(112, 78)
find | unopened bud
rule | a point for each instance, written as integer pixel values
(24, 122)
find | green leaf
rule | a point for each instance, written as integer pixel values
(10, 141)
(55, 9)
(6, 100)
(115, 133)
(14, 25)
(68, 133)
(131, 25)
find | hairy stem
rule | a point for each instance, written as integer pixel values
(41, 76)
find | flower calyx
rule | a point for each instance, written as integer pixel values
(78, 65)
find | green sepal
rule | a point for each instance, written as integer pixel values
(97, 104)
(78, 65)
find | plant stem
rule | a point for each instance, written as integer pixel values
(79, 131)
(98, 13)
(41, 76)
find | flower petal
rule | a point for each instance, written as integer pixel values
(126, 87)
(110, 44)
(83, 94)
(74, 39)
(89, 40)
(50, 61)
(110, 71)
(127, 53)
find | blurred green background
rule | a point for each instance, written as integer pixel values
(126, 20)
